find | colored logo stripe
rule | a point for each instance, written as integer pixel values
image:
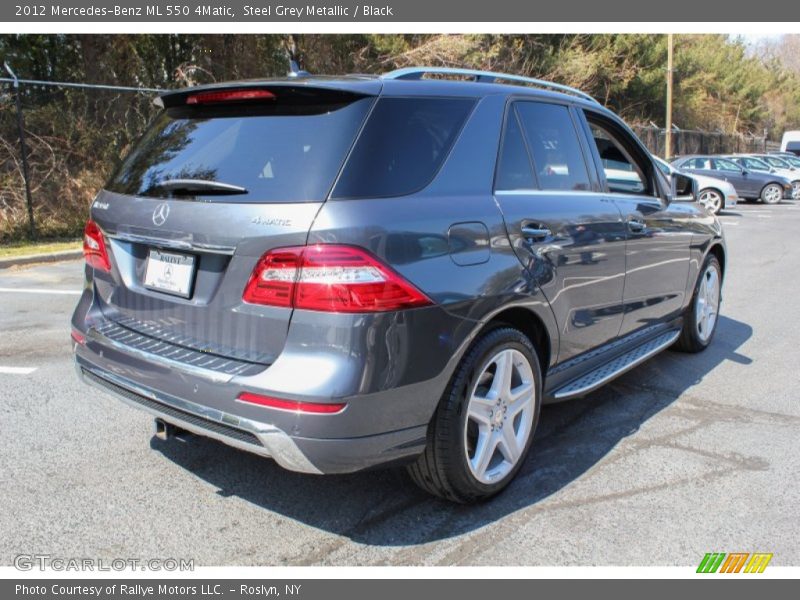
(734, 562)
(758, 562)
(711, 562)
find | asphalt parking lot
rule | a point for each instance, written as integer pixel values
(682, 456)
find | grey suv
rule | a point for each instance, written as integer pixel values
(344, 272)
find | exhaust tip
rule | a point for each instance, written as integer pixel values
(166, 431)
(161, 429)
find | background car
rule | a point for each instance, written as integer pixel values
(791, 142)
(758, 162)
(770, 188)
(715, 194)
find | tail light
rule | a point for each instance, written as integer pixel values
(330, 278)
(94, 247)
(319, 408)
(215, 97)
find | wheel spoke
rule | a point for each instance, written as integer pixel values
(480, 410)
(519, 398)
(502, 375)
(508, 444)
(484, 450)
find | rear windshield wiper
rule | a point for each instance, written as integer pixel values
(187, 187)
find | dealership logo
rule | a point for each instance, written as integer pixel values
(160, 214)
(735, 562)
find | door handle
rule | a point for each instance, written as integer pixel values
(636, 225)
(536, 232)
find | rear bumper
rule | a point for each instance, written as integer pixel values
(389, 369)
(304, 455)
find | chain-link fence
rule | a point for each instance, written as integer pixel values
(687, 141)
(63, 139)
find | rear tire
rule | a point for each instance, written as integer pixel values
(483, 427)
(772, 193)
(702, 316)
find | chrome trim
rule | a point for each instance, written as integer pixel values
(276, 443)
(174, 244)
(485, 77)
(627, 361)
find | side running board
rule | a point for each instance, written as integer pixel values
(616, 367)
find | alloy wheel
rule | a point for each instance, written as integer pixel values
(499, 417)
(707, 303)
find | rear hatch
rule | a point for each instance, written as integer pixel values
(223, 175)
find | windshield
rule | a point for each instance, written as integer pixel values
(777, 162)
(753, 163)
(271, 158)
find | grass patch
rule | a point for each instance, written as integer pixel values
(23, 248)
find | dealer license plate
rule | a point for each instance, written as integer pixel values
(169, 272)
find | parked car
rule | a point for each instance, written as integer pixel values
(715, 194)
(770, 188)
(765, 164)
(791, 142)
(344, 272)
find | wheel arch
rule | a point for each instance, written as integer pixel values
(718, 251)
(530, 324)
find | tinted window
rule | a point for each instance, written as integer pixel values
(723, 164)
(622, 175)
(754, 164)
(402, 146)
(514, 171)
(776, 162)
(698, 163)
(280, 158)
(553, 142)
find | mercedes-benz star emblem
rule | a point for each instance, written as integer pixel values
(160, 214)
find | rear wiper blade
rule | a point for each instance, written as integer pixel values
(201, 186)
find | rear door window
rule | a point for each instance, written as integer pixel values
(553, 143)
(282, 157)
(402, 146)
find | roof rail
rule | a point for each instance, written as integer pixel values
(484, 77)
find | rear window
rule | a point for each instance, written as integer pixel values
(275, 157)
(402, 146)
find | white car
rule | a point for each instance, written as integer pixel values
(715, 194)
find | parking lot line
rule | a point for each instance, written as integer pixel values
(38, 291)
(17, 370)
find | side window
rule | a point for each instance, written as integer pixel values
(698, 163)
(514, 170)
(554, 146)
(622, 174)
(722, 164)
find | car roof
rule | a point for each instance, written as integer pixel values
(375, 85)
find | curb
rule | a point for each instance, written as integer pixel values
(29, 259)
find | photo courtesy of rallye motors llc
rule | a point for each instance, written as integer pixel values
(144, 591)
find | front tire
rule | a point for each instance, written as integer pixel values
(772, 193)
(701, 317)
(483, 427)
(712, 199)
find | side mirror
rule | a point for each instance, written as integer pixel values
(684, 188)
(745, 172)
